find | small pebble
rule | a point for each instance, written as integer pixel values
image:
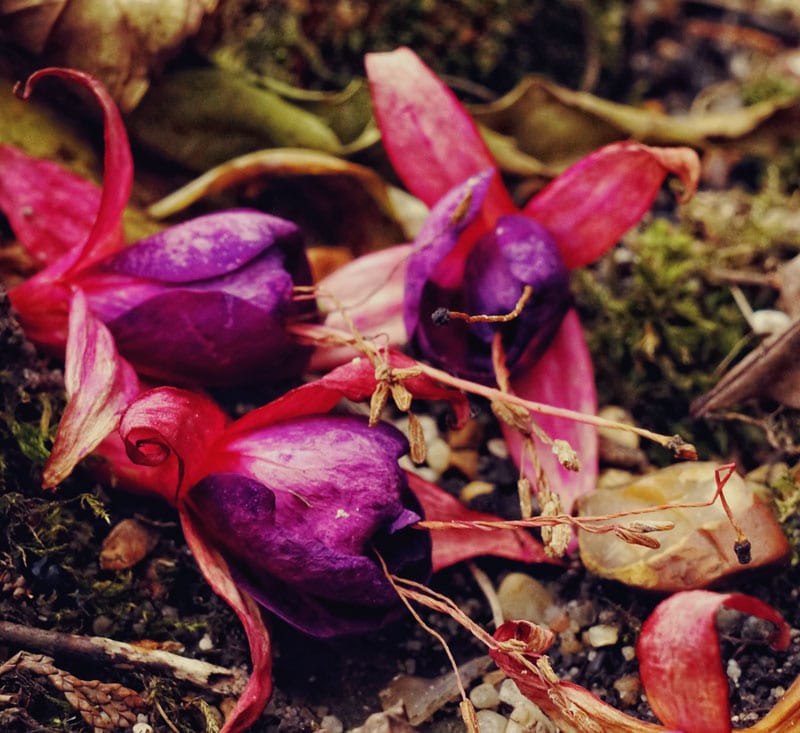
(497, 447)
(628, 653)
(205, 644)
(491, 722)
(734, 671)
(523, 598)
(602, 635)
(509, 692)
(530, 716)
(778, 692)
(628, 688)
(475, 488)
(615, 435)
(570, 644)
(331, 724)
(484, 696)
(438, 455)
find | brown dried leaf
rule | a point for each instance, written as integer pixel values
(122, 42)
(770, 370)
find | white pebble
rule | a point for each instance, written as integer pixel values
(734, 671)
(491, 722)
(602, 635)
(523, 598)
(530, 716)
(628, 653)
(497, 447)
(509, 692)
(205, 644)
(438, 455)
(331, 724)
(484, 696)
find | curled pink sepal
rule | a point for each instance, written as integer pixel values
(366, 293)
(257, 692)
(595, 201)
(100, 384)
(105, 234)
(170, 431)
(454, 545)
(679, 658)
(563, 377)
(571, 707)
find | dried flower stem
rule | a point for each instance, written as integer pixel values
(320, 334)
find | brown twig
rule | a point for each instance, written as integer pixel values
(201, 674)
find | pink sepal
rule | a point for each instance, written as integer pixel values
(572, 708)
(171, 431)
(105, 235)
(454, 545)
(258, 690)
(594, 202)
(49, 208)
(679, 658)
(370, 291)
(430, 138)
(100, 384)
(563, 377)
(355, 381)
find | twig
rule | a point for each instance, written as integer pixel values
(223, 681)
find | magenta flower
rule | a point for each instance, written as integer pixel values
(202, 302)
(478, 254)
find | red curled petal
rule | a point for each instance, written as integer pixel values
(680, 663)
(594, 202)
(106, 234)
(258, 690)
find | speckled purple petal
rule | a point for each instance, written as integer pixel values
(298, 507)
(220, 330)
(202, 248)
(437, 238)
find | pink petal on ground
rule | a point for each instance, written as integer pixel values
(369, 290)
(171, 431)
(258, 690)
(106, 234)
(680, 663)
(563, 377)
(100, 384)
(355, 381)
(594, 202)
(430, 138)
(572, 708)
(50, 209)
(454, 545)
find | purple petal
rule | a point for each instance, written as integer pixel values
(438, 237)
(298, 508)
(203, 248)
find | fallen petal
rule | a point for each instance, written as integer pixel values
(680, 663)
(454, 545)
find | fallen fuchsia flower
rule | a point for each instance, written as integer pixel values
(202, 302)
(680, 667)
(479, 255)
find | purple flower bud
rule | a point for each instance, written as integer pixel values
(494, 271)
(206, 301)
(299, 509)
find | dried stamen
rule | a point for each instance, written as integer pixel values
(442, 315)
